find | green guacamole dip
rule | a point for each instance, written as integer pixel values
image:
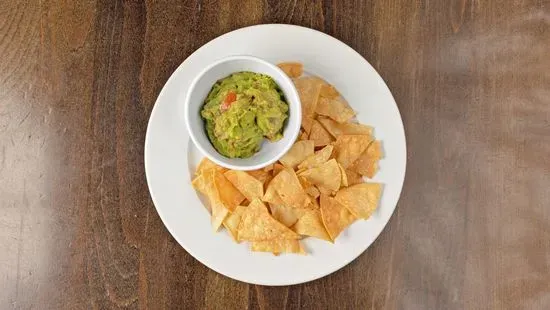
(241, 110)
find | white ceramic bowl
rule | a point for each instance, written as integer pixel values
(201, 86)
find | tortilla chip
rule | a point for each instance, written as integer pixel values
(200, 184)
(258, 225)
(232, 221)
(309, 89)
(248, 185)
(271, 196)
(297, 153)
(260, 174)
(303, 136)
(326, 175)
(218, 209)
(361, 199)
(367, 163)
(292, 69)
(335, 217)
(337, 109)
(344, 176)
(268, 168)
(206, 164)
(277, 168)
(353, 177)
(313, 192)
(317, 159)
(230, 196)
(336, 129)
(286, 215)
(348, 148)
(311, 224)
(289, 189)
(278, 246)
(329, 91)
(320, 135)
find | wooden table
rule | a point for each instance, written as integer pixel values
(78, 80)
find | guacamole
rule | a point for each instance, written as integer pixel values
(241, 110)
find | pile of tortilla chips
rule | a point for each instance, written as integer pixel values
(315, 190)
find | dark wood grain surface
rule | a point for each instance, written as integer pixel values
(78, 80)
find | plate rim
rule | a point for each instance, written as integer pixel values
(154, 111)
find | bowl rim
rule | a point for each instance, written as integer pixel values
(293, 131)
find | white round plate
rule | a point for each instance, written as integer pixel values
(171, 158)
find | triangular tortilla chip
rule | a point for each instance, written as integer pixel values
(320, 135)
(218, 208)
(361, 199)
(353, 177)
(344, 176)
(297, 153)
(248, 185)
(367, 163)
(317, 159)
(261, 175)
(229, 195)
(258, 225)
(289, 189)
(286, 215)
(271, 196)
(327, 175)
(329, 91)
(309, 89)
(335, 217)
(337, 109)
(233, 220)
(348, 148)
(206, 164)
(277, 168)
(311, 224)
(336, 129)
(292, 69)
(278, 246)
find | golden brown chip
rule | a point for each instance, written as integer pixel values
(303, 136)
(367, 163)
(317, 159)
(258, 225)
(312, 191)
(344, 176)
(329, 91)
(271, 196)
(297, 153)
(325, 191)
(230, 196)
(361, 199)
(218, 209)
(278, 246)
(260, 174)
(268, 168)
(206, 164)
(277, 168)
(248, 185)
(232, 221)
(292, 69)
(309, 89)
(311, 224)
(336, 129)
(289, 189)
(326, 175)
(348, 148)
(286, 215)
(320, 135)
(353, 177)
(335, 216)
(199, 183)
(337, 109)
